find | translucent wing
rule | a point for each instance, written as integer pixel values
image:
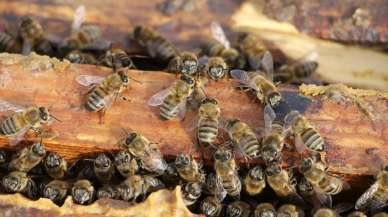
(87, 80)
(203, 60)
(27, 47)
(159, 97)
(269, 116)
(364, 200)
(19, 136)
(193, 123)
(312, 56)
(267, 64)
(79, 18)
(242, 76)
(219, 34)
(7, 106)
(299, 145)
(181, 110)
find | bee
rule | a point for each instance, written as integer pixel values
(169, 7)
(209, 114)
(82, 192)
(289, 210)
(306, 136)
(79, 57)
(211, 207)
(103, 89)
(214, 187)
(125, 164)
(150, 156)
(262, 83)
(107, 191)
(19, 182)
(23, 120)
(300, 69)
(191, 191)
(252, 49)
(135, 186)
(325, 212)
(28, 158)
(243, 137)
(172, 101)
(186, 63)
(238, 209)
(157, 46)
(8, 43)
(170, 175)
(254, 182)
(56, 191)
(103, 168)
(55, 166)
(264, 210)
(315, 173)
(189, 169)
(3, 158)
(311, 195)
(216, 68)
(376, 197)
(83, 36)
(226, 170)
(357, 214)
(280, 181)
(117, 58)
(32, 35)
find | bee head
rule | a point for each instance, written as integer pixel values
(51, 193)
(123, 157)
(38, 149)
(102, 161)
(182, 160)
(190, 64)
(130, 138)
(209, 100)
(223, 154)
(291, 117)
(273, 170)
(52, 160)
(44, 114)
(188, 79)
(123, 75)
(81, 195)
(3, 156)
(256, 173)
(270, 154)
(193, 188)
(11, 183)
(216, 72)
(74, 57)
(234, 210)
(30, 28)
(273, 99)
(267, 213)
(208, 207)
(306, 164)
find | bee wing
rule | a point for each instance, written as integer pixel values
(364, 200)
(269, 116)
(87, 80)
(19, 136)
(181, 110)
(242, 76)
(325, 200)
(7, 106)
(79, 18)
(267, 64)
(219, 34)
(299, 145)
(27, 47)
(159, 97)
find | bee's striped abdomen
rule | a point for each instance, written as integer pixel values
(168, 110)
(232, 185)
(330, 185)
(95, 100)
(207, 131)
(9, 126)
(6, 42)
(250, 146)
(312, 139)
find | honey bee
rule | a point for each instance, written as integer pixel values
(103, 89)
(135, 186)
(172, 101)
(3, 158)
(157, 46)
(28, 158)
(170, 176)
(107, 191)
(280, 181)
(19, 182)
(226, 170)
(8, 43)
(103, 168)
(289, 210)
(169, 7)
(216, 68)
(125, 164)
(209, 114)
(79, 57)
(357, 214)
(309, 194)
(306, 136)
(84, 36)
(214, 187)
(262, 83)
(150, 156)
(55, 166)
(243, 138)
(315, 173)
(22, 120)
(300, 69)
(191, 191)
(82, 192)
(325, 212)
(32, 35)
(56, 191)
(238, 209)
(211, 207)
(186, 63)
(264, 210)
(189, 169)
(252, 49)
(254, 182)
(117, 58)
(376, 197)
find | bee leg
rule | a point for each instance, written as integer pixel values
(102, 116)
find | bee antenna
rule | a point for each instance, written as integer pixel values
(140, 82)
(52, 116)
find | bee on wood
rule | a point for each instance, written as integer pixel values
(208, 121)
(376, 197)
(107, 191)
(191, 191)
(357, 214)
(214, 187)
(22, 120)
(262, 83)
(136, 186)
(238, 209)
(55, 165)
(57, 191)
(305, 135)
(265, 210)
(289, 210)
(150, 156)
(172, 101)
(185, 63)
(254, 182)
(79, 57)
(316, 174)
(103, 168)
(83, 192)
(28, 158)
(314, 197)
(125, 164)
(252, 49)
(8, 43)
(84, 36)
(169, 7)
(214, 67)
(117, 58)
(226, 170)
(19, 182)
(189, 169)
(280, 181)
(243, 138)
(211, 207)
(157, 46)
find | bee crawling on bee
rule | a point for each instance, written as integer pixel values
(28, 157)
(117, 58)
(214, 187)
(125, 163)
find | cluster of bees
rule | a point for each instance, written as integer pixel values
(140, 168)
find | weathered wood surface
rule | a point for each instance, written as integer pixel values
(348, 133)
